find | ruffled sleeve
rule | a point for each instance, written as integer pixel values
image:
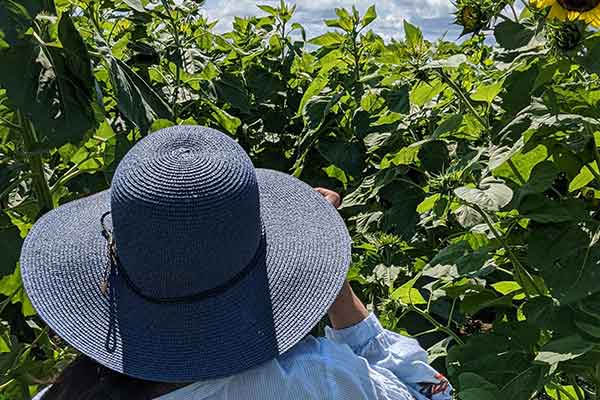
(399, 359)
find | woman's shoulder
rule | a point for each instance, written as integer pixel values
(311, 369)
(317, 349)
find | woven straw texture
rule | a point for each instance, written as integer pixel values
(189, 212)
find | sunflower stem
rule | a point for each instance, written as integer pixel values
(36, 165)
(521, 273)
(435, 323)
(462, 96)
(515, 171)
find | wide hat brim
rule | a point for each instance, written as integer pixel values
(303, 266)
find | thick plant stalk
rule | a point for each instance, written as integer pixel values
(595, 147)
(521, 273)
(464, 99)
(36, 165)
(175, 33)
(515, 171)
(437, 325)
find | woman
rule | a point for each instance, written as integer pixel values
(197, 276)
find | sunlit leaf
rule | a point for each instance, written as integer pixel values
(407, 294)
(487, 93)
(492, 195)
(136, 99)
(370, 16)
(329, 39)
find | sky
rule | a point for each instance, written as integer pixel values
(433, 16)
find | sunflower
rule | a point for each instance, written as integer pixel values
(475, 15)
(570, 10)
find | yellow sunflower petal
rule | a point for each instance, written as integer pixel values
(543, 3)
(573, 15)
(593, 18)
(558, 12)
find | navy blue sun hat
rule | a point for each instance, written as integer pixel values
(193, 265)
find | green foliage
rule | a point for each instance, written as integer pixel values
(469, 173)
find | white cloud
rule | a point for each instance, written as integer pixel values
(433, 16)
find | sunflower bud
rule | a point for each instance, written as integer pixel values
(565, 36)
(476, 15)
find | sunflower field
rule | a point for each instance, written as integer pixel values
(470, 170)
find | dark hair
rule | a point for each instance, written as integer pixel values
(85, 379)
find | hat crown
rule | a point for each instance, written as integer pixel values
(185, 211)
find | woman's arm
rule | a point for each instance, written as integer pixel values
(396, 363)
(347, 310)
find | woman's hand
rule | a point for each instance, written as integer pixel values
(331, 196)
(347, 309)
